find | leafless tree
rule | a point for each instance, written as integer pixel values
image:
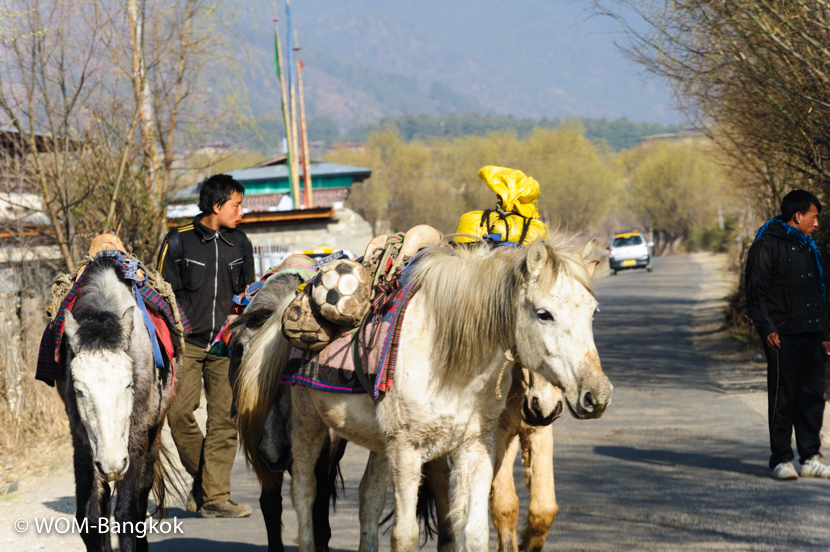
(753, 74)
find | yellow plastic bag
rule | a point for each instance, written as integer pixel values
(517, 214)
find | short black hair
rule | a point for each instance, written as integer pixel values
(217, 190)
(798, 201)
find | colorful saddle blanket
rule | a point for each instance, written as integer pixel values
(49, 363)
(376, 345)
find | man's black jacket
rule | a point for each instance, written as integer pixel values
(783, 293)
(214, 266)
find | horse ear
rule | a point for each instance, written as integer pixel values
(70, 329)
(537, 256)
(127, 327)
(588, 250)
(591, 267)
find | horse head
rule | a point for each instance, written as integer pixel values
(101, 371)
(542, 403)
(553, 325)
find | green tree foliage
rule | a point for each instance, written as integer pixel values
(619, 133)
(674, 188)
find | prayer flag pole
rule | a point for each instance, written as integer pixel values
(286, 115)
(304, 138)
(292, 96)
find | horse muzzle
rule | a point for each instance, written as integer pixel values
(533, 415)
(112, 471)
(592, 401)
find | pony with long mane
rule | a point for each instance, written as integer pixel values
(468, 311)
(264, 415)
(116, 399)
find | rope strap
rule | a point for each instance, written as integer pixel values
(510, 357)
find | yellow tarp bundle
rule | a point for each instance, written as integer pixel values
(516, 213)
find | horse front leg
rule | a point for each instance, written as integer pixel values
(537, 454)
(473, 474)
(134, 496)
(438, 478)
(308, 433)
(92, 498)
(372, 499)
(405, 463)
(504, 503)
(270, 503)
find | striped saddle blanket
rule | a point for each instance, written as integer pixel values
(374, 346)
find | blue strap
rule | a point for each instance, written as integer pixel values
(139, 299)
(326, 260)
(129, 270)
(245, 298)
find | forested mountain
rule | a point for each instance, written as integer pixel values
(530, 58)
(619, 133)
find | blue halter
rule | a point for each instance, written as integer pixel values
(803, 239)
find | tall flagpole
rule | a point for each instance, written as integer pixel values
(286, 115)
(292, 95)
(304, 138)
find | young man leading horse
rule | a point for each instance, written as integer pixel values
(786, 298)
(207, 263)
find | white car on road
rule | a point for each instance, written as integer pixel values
(629, 250)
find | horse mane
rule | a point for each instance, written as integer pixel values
(472, 294)
(264, 356)
(100, 306)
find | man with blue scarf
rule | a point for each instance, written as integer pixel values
(785, 295)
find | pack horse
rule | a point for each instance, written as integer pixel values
(468, 311)
(117, 391)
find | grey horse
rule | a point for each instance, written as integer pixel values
(116, 399)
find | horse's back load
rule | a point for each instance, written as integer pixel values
(340, 292)
(515, 219)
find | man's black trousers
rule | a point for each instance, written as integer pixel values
(795, 382)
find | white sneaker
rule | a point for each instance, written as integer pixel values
(785, 470)
(814, 467)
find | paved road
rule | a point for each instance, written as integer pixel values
(678, 462)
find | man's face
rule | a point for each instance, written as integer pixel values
(808, 223)
(230, 213)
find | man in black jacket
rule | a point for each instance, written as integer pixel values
(785, 295)
(207, 263)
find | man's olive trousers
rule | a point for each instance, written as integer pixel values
(210, 455)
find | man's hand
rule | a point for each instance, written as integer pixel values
(826, 347)
(774, 342)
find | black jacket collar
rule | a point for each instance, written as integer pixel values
(206, 234)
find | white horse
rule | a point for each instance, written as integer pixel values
(468, 311)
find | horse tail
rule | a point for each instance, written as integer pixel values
(257, 382)
(425, 510)
(337, 449)
(166, 478)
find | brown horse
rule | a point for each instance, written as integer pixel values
(532, 406)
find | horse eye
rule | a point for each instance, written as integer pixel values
(544, 315)
(129, 386)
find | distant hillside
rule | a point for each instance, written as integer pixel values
(531, 58)
(383, 92)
